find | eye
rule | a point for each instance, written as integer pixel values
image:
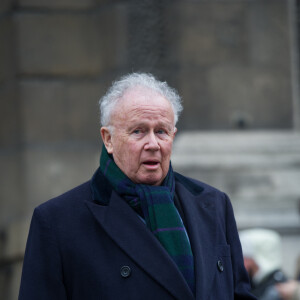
(161, 131)
(136, 131)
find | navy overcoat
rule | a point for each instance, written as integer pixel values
(80, 249)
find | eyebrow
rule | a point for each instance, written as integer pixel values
(143, 124)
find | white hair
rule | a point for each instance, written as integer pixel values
(108, 102)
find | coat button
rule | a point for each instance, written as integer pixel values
(220, 266)
(125, 271)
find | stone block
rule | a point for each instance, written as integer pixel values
(12, 196)
(209, 31)
(71, 44)
(10, 277)
(268, 33)
(250, 98)
(193, 88)
(230, 96)
(13, 242)
(290, 250)
(259, 170)
(7, 57)
(234, 59)
(51, 171)
(61, 4)
(5, 6)
(9, 116)
(60, 111)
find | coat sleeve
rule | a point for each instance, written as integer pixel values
(42, 269)
(241, 279)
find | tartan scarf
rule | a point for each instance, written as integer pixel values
(156, 205)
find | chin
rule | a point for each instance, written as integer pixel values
(151, 180)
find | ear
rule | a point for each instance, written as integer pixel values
(106, 138)
(175, 131)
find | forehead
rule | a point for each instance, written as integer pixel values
(140, 95)
(143, 101)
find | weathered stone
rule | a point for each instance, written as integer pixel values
(209, 32)
(10, 281)
(51, 171)
(245, 97)
(68, 44)
(5, 6)
(290, 246)
(12, 196)
(14, 242)
(61, 4)
(7, 58)
(259, 170)
(234, 60)
(9, 116)
(268, 34)
(229, 96)
(60, 111)
(193, 87)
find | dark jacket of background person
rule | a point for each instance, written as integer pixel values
(266, 290)
(80, 249)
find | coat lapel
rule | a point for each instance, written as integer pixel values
(201, 227)
(131, 234)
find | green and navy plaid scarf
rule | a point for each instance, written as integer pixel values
(156, 205)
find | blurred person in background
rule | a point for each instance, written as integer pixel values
(290, 290)
(263, 261)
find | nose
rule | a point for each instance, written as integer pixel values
(151, 142)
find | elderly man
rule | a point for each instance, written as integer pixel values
(136, 230)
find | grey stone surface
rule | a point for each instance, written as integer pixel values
(238, 93)
(61, 4)
(52, 171)
(13, 243)
(290, 250)
(234, 59)
(60, 111)
(12, 196)
(67, 44)
(210, 31)
(7, 58)
(5, 6)
(260, 171)
(230, 96)
(10, 281)
(9, 116)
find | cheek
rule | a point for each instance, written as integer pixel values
(167, 150)
(132, 153)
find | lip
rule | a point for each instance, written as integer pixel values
(151, 164)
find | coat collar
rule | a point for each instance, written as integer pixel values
(130, 233)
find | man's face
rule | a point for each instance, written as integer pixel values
(142, 137)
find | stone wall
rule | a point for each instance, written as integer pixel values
(230, 60)
(10, 155)
(259, 171)
(234, 64)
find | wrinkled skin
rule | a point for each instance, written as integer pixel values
(142, 136)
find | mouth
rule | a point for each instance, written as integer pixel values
(151, 164)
